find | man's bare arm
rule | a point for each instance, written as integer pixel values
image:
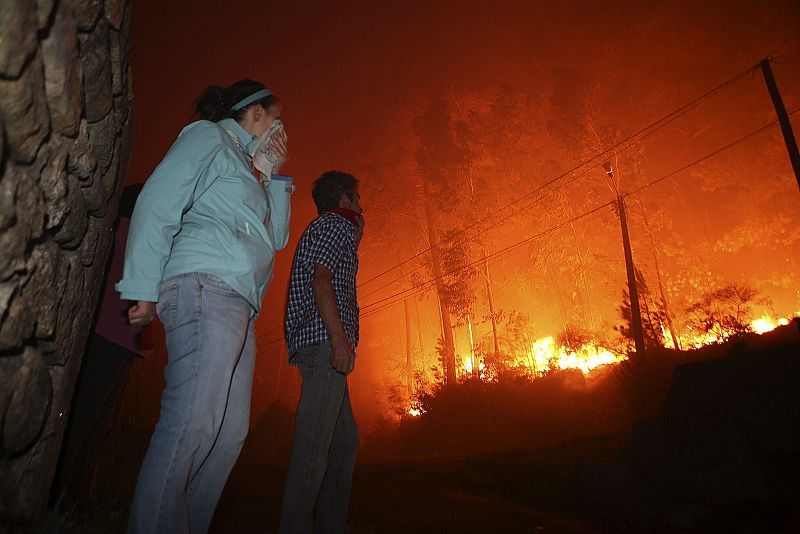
(324, 297)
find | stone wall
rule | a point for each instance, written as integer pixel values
(66, 128)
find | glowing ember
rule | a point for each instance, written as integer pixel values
(414, 412)
(697, 340)
(469, 365)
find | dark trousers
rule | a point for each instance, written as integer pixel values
(98, 389)
(317, 493)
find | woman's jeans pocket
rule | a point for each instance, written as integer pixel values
(167, 306)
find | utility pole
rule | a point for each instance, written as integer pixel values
(783, 118)
(633, 292)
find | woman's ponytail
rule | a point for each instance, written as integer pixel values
(215, 103)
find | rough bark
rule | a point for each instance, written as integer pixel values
(65, 141)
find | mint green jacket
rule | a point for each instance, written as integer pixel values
(202, 210)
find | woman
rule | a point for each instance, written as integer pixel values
(202, 242)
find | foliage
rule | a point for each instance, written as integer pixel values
(500, 366)
(723, 312)
(441, 157)
(574, 337)
(651, 311)
(517, 334)
(441, 356)
(512, 412)
(457, 291)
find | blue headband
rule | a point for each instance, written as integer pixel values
(255, 97)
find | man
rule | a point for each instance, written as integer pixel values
(322, 335)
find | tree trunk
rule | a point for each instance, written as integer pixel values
(475, 370)
(491, 301)
(667, 316)
(419, 326)
(447, 328)
(409, 367)
(583, 277)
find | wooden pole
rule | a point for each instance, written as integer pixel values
(783, 118)
(633, 293)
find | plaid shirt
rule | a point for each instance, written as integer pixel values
(329, 241)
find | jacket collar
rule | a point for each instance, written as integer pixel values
(244, 136)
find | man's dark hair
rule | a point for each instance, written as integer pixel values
(329, 187)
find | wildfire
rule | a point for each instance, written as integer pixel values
(469, 365)
(545, 354)
(761, 325)
(765, 324)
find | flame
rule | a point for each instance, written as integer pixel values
(766, 324)
(414, 409)
(762, 325)
(469, 365)
(544, 354)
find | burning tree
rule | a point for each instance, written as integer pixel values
(516, 339)
(457, 283)
(442, 159)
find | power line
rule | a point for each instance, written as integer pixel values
(265, 332)
(495, 223)
(644, 132)
(421, 287)
(709, 155)
(582, 215)
(428, 284)
(665, 177)
(621, 146)
(424, 286)
(493, 255)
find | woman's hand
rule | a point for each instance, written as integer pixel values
(142, 313)
(278, 144)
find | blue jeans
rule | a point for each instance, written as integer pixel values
(205, 406)
(323, 451)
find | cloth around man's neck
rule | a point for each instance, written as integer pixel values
(350, 215)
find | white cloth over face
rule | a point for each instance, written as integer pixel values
(264, 157)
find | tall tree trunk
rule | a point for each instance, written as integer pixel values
(667, 316)
(447, 327)
(409, 367)
(583, 277)
(419, 326)
(475, 370)
(491, 301)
